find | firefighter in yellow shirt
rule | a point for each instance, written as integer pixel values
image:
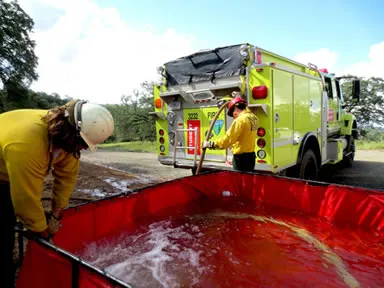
(32, 142)
(241, 136)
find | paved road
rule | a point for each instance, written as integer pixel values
(367, 170)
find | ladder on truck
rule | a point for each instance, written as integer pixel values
(175, 146)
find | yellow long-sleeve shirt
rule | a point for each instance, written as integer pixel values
(25, 154)
(241, 135)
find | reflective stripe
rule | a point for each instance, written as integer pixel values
(284, 137)
(262, 167)
(282, 142)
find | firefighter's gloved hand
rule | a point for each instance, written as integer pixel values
(31, 235)
(52, 222)
(208, 144)
(46, 236)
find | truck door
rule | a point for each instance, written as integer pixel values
(282, 119)
(333, 103)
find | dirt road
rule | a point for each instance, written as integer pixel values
(367, 170)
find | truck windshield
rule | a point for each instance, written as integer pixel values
(205, 66)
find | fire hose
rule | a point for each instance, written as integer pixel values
(222, 107)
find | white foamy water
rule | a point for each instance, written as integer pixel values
(162, 256)
(93, 192)
(122, 185)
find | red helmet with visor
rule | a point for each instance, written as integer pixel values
(234, 103)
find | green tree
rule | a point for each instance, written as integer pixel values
(122, 115)
(142, 120)
(29, 99)
(17, 57)
(373, 134)
(369, 111)
(132, 119)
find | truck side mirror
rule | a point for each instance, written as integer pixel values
(356, 89)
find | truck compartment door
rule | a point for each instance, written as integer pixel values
(282, 119)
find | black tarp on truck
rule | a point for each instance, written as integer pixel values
(205, 66)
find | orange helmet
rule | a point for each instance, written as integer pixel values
(233, 103)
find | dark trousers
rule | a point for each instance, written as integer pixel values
(7, 242)
(244, 161)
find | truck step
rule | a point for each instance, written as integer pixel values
(335, 148)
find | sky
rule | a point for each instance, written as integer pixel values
(99, 50)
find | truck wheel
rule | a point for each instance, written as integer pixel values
(308, 168)
(348, 160)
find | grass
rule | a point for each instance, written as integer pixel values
(136, 146)
(369, 145)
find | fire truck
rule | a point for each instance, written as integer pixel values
(302, 122)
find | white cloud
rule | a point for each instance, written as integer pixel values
(89, 52)
(373, 67)
(322, 58)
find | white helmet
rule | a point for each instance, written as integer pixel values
(94, 122)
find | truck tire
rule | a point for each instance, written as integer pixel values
(348, 160)
(308, 168)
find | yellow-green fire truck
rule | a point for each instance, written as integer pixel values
(302, 124)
